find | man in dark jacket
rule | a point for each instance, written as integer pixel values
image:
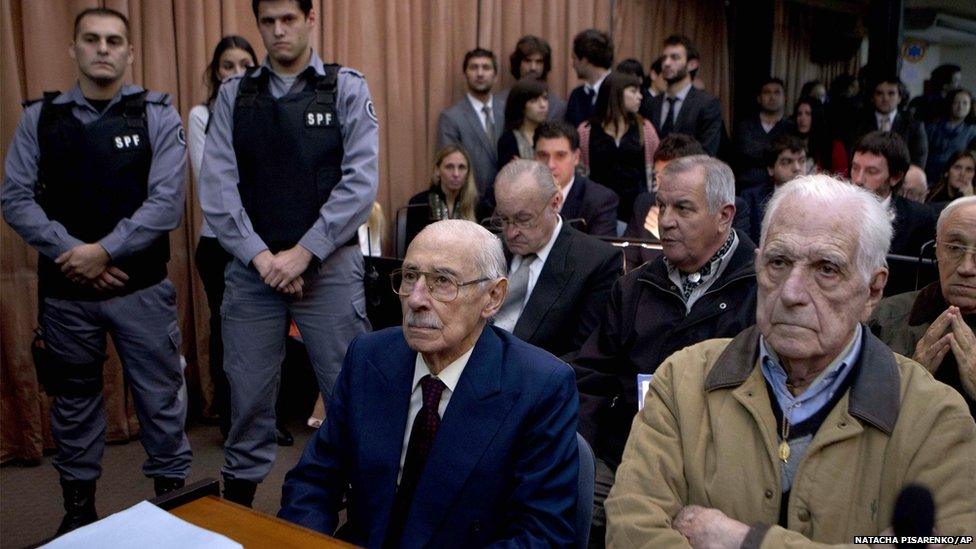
(703, 287)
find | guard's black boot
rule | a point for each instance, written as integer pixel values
(79, 504)
(164, 485)
(239, 491)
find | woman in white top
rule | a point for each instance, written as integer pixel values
(232, 56)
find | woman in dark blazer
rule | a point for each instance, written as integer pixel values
(452, 193)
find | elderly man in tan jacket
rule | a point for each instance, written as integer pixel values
(804, 429)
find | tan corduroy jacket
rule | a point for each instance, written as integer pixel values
(707, 436)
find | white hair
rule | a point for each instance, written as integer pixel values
(719, 180)
(831, 194)
(489, 257)
(954, 205)
(544, 182)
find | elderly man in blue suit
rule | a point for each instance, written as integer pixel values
(447, 431)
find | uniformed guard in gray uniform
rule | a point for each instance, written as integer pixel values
(94, 180)
(289, 174)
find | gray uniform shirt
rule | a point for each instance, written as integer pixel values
(159, 214)
(352, 198)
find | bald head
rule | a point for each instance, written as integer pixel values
(956, 252)
(527, 206)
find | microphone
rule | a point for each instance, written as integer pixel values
(914, 514)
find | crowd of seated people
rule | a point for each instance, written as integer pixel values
(741, 378)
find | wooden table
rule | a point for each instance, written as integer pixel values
(249, 527)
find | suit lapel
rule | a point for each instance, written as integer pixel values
(685, 111)
(548, 288)
(477, 409)
(388, 386)
(656, 103)
(574, 201)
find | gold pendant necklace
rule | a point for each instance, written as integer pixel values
(784, 446)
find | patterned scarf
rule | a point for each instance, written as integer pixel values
(691, 281)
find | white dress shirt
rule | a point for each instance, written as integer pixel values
(565, 192)
(449, 376)
(681, 95)
(536, 267)
(879, 119)
(478, 106)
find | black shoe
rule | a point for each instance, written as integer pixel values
(239, 491)
(164, 485)
(283, 436)
(79, 504)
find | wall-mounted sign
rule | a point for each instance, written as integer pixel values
(913, 50)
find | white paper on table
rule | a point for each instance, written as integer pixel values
(140, 526)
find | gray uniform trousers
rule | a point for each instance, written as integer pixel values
(145, 333)
(254, 318)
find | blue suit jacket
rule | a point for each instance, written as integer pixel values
(503, 469)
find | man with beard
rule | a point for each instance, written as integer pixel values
(533, 56)
(447, 431)
(682, 108)
(477, 120)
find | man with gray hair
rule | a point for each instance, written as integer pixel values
(703, 287)
(446, 431)
(560, 277)
(935, 325)
(804, 429)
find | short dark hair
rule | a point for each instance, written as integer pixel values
(595, 46)
(691, 52)
(942, 74)
(479, 52)
(677, 145)
(304, 5)
(554, 129)
(887, 79)
(891, 146)
(522, 92)
(658, 65)
(771, 80)
(526, 46)
(779, 145)
(102, 12)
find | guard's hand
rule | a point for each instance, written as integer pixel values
(286, 266)
(83, 263)
(934, 345)
(963, 344)
(709, 528)
(112, 278)
(262, 262)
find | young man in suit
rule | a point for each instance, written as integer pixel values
(557, 146)
(560, 277)
(887, 117)
(446, 432)
(682, 108)
(880, 162)
(477, 120)
(755, 133)
(592, 59)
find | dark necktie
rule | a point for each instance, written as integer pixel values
(669, 121)
(421, 441)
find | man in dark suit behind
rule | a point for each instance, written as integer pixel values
(477, 120)
(446, 432)
(880, 162)
(754, 134)
(592, 59)
(683, 108)
(887, 117)
(560, 277)
(557, 146)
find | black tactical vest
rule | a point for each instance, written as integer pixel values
(289, 154)
(90, 177)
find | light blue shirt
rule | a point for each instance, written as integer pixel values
(800, 408)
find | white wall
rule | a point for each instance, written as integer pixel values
(914, 75)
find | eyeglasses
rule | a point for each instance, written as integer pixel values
(499, 222)
(956, 252)
(440, 286)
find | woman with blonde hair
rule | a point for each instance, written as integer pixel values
(452, 193)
